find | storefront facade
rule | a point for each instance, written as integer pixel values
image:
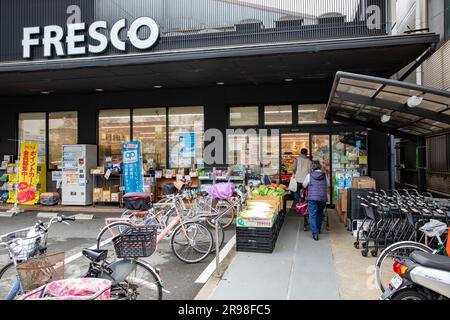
(93, 72)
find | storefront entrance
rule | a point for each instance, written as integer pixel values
(342, 155)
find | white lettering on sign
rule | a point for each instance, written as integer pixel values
(53, 38)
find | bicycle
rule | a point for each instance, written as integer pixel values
(186, 237)
(132, 278)
(23, 245)
(164, 211)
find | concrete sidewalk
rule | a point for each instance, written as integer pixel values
(300, 268)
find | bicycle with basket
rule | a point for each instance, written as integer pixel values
(30, 265)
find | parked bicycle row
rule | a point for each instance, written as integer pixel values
(117, 265)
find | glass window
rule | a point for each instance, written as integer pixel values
(113, 130)
(186, 136)
(149, 126)
(62, 129)
(32, 128)
(244, 116)
(243, 148)
(311, 113)
(270, 157)
(277, 115)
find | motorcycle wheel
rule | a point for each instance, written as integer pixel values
(409, 294)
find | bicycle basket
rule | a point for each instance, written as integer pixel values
(136, 242)
(41, 270)
(23, 244)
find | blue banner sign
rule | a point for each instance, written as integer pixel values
(133, 175)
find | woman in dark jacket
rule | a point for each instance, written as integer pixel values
(316, 182)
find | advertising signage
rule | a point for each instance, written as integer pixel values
(74, 41)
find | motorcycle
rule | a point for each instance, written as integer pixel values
(421, 276)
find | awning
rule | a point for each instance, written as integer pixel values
(395, 107)
(246, 65)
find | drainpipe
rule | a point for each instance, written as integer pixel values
(421, 23)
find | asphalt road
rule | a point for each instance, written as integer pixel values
(178, 277)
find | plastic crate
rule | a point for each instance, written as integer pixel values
(136, 242)
(255, 246)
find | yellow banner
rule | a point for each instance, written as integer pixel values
(28, 175)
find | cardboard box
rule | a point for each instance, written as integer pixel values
(255, 223)
(276, 201)
(98, 170)
(363, 183)
(98, 195)
(115, 197)
(343, 200)
(106, 195)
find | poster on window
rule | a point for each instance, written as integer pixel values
(183, 151)
(28, 173)
(133, 174)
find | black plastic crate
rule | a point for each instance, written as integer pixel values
(256, 250)
(256, 232)
(250, 245)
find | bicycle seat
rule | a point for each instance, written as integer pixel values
(95, 255)
(431, 260)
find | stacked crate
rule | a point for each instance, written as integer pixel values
(259, 239)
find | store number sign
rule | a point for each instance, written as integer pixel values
(74, 41)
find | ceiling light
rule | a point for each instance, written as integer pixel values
(157, 87)
(220, 83)
(288, 79)
(45, 92)
(414, 101)
(385, 118)
(99, 90)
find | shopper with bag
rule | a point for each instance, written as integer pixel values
(302, 166)
(316, 182)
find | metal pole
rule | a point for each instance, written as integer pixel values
(217, 248)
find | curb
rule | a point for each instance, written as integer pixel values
(210, 286)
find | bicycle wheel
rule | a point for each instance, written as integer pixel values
(383, 267)
(105, 236)
(191, 242)
(8, 278)
(141, 284)
(227, 219)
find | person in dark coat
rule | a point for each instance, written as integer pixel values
(316, 182)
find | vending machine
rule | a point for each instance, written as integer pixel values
(77, 184)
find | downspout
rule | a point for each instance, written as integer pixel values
(421, 23)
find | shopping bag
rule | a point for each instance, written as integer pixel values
(302, 206)
(293, 184)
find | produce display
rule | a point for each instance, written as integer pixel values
(272, 190)
(257, 209)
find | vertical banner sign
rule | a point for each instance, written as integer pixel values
(133, 175)
(28, 175)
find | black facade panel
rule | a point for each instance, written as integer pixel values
(197, 24)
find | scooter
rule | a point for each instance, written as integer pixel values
(421, 276)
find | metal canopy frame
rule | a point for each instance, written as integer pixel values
(362, 100)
